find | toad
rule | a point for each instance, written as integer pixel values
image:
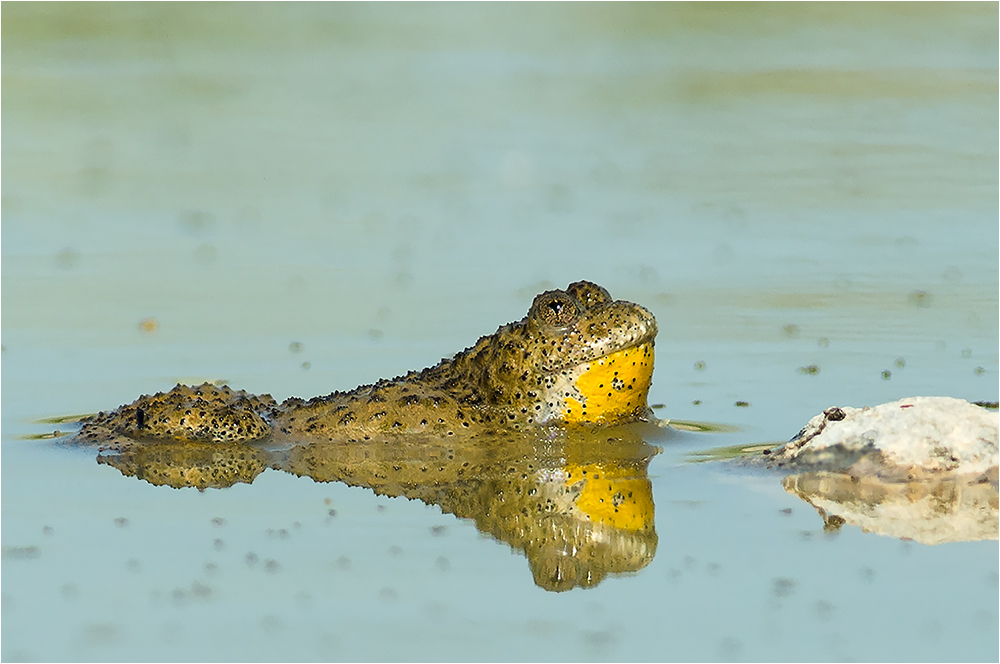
(578, 358)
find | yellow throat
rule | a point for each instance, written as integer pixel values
(613, 388)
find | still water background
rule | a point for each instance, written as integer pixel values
(298, 199)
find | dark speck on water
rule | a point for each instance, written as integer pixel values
(783, 587)
(919, 298)
(21, 552)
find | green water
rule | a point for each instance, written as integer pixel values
(302, 198)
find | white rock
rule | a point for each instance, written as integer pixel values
(916, 435)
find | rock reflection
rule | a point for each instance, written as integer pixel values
(929, 511)
(579, 503)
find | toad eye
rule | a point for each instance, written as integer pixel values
(590, 294)
(554, 309)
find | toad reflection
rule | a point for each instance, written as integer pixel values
(578, 503)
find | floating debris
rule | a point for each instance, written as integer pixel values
(21, 552)
(730, 452)
(63, 419)
(148, 325)
(919, 298)
(701, 427)
(51, 435)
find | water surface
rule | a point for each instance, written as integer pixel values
(297, 199)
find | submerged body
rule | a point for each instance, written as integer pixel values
(578, 357)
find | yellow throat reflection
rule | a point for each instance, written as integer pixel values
(612, 494)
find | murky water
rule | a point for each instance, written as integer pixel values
(297, 199)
